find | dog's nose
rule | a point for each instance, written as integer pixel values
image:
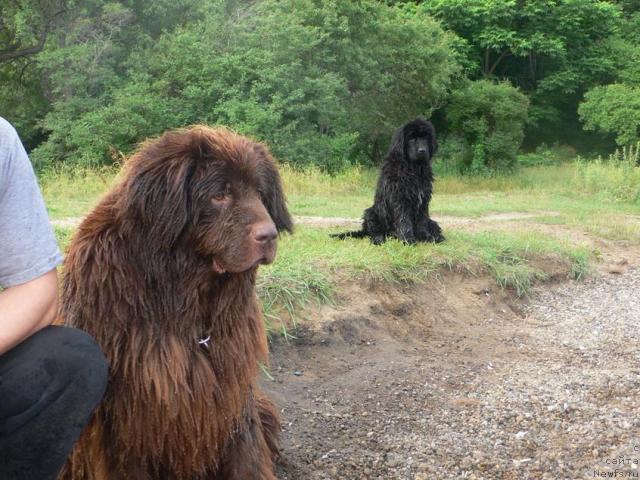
(422, 150)
(264, 232)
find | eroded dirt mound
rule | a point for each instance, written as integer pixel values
(455, 379)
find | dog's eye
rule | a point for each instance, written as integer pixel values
(222, 197)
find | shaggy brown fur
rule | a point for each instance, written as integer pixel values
(168, 258)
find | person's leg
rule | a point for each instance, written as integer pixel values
(49, 386)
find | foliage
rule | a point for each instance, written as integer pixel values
(490, 117)
(323, 82)
(26, 25)
(547, 155)
(551, 49)
(296, 74)
(613, 109)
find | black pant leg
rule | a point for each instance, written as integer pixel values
(49, 386)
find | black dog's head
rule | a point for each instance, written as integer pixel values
(415, 141)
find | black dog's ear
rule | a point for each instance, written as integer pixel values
(396, 149)
(272, 193)
(433, 142)
(158, 187)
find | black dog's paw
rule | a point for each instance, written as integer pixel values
(378, 239)
(434, 238)
(407, 239)
(435, 232)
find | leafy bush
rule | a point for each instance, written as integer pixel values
(323, 83)
(547, 155)
(450, 157)
(613, 109)
(551, 49)
(490, 118)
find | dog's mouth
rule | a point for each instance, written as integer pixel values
(219, 267)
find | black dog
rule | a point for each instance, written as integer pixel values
(401, 205)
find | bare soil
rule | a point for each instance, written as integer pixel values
(456, 378)
(70, 222)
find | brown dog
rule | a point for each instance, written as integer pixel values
(162, 274)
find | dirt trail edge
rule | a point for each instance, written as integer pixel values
(72, 222)
(456, 379)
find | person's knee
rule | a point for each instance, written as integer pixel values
(56, 365)
(82, 358)
(77, 360)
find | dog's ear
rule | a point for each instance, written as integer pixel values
(433, 142)
(158, 188)
(272, 193)
(396, 149)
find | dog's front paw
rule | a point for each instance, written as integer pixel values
(438, 238)
(378, 239)
(434, 233)
(408, 240)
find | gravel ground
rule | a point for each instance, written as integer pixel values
(493, 390)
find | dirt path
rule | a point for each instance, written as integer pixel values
(455, 380)
(443, 219)
(326, 222)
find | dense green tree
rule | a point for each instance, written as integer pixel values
(490, 118)
(322, 82)
(61, 58)
(26, 27)
(551, 49)
(615, 109)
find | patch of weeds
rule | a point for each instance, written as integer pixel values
(289, 290)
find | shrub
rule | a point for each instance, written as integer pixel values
(613, 109)
(547, 155)
(323, 83)
(490, 118)
(450, 157)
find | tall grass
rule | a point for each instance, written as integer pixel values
(549, 178)
(616, 178)
(73, 191)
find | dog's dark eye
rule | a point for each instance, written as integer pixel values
(222, 197)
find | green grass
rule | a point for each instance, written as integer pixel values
(309, 262)
(73, 192)
(63, 235)
(577, 191)
(311, 265)
(563, 189)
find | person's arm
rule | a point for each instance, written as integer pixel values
(28, 250)
(26, 308)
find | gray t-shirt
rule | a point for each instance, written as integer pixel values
(28, 247)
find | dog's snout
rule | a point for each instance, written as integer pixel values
(422, 150)
(264, 232)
